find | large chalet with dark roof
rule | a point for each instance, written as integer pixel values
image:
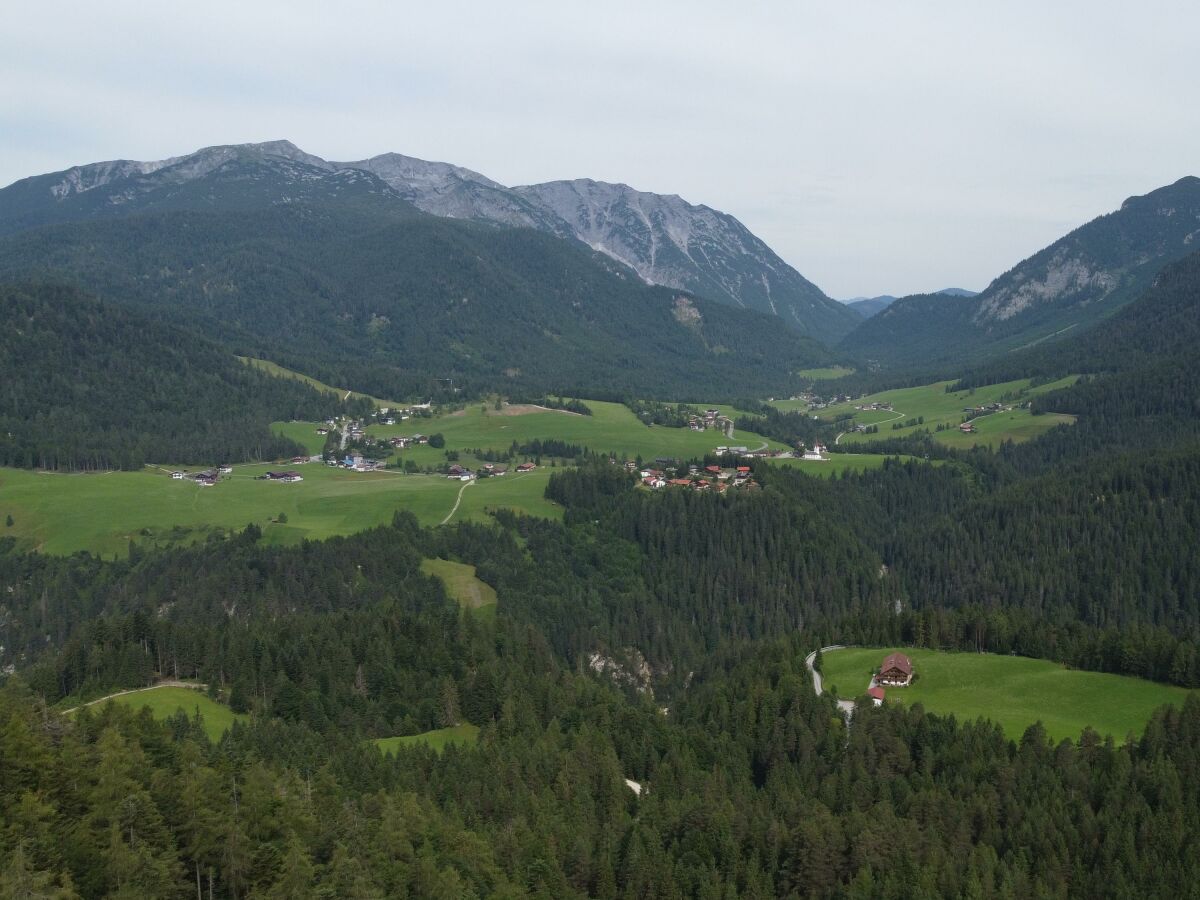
(896, 671)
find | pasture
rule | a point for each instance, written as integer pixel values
(611, 428)
(461, 583)
(103, 512)
(825, 374)
(839, 463)
(166, 701)
(937, 407)
(437, 740)
(303, 433)
(280, 372)
(1012, 691)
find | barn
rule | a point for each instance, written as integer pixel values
(896, 670)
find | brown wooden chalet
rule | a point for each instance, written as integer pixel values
(896, 670)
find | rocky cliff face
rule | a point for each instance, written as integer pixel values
(664, 239)
(669, 241)
(1105, 260)
(1077, 281)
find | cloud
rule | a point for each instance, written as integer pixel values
(879, 147)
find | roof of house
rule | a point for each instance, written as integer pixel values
(897, 661)
(875, 693)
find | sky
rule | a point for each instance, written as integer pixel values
(878, 147)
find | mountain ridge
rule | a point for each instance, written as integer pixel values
(1074, 282)
(664, 239)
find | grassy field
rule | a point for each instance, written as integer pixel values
(937, 407)
(166, 701)
(58, 513)
(303, 433)
(279, 371)
(437, 740)
(1013, 691)
(838, 462)
(610, 428)
(461, 583)
(826, 374)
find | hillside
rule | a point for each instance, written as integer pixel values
(869, 306)
(664, 239)
(356, 288)
(91, 386)
(1075, 282)
(1161, 326)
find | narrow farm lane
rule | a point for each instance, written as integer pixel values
(457, 500)
(846, 706)
(153, 687)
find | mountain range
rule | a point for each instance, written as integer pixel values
(664, 239)
(330, 270)
(1073, 283)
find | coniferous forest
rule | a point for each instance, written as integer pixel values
(654, 637)
(636, 714)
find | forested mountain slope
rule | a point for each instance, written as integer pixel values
(357, 288)
(1075, 282)
(95, 386)
(333, 643)
(1161, 325)
(664, 239)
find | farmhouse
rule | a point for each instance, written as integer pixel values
(526, 467)
(967, 428)
(896, 670)
(286, 477)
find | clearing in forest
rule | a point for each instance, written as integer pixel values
(461, 583)
(1013, 691)
(436, 740)
(167, 700)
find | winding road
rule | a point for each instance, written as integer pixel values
(838, 439)
(846, 706)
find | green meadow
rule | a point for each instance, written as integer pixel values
(611, 428)
(1013, 691)
(166, 701)
(461, 583)
(436, 740)
(839, 463)
(303, 433)
(103, 512)
(937, 407)
(280, 372)
(826, 374)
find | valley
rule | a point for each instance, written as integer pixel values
(995, 413)
(538, 625)
(104, 512)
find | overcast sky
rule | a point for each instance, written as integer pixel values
(879, 147)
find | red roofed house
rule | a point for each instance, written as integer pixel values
(876, 693)
(896, 670)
